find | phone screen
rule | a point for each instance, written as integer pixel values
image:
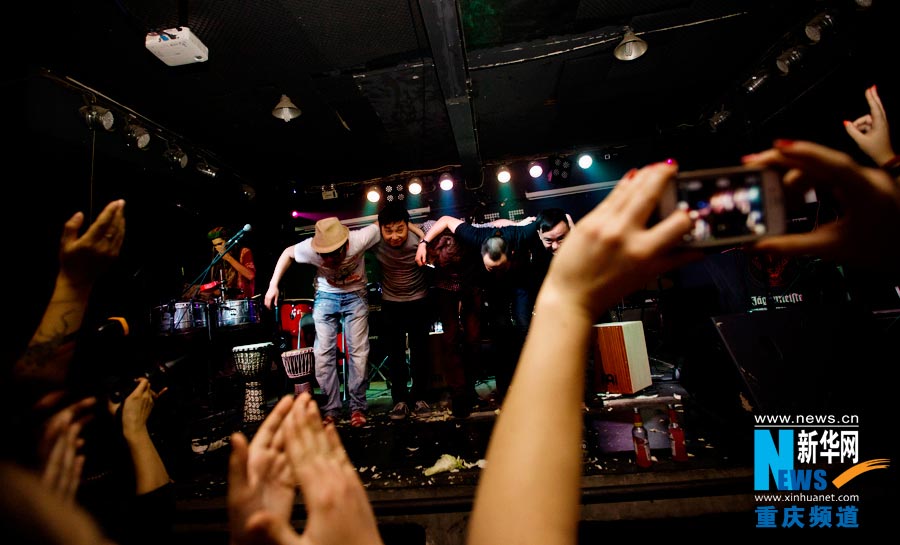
(728, 204)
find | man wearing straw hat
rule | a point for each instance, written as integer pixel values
(340, 301)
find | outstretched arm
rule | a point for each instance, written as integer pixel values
(81, 261)
(444, 222)
(529, 491)
(869, 199)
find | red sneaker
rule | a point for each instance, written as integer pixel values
(357, 419)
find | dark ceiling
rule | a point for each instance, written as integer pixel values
(387, 87)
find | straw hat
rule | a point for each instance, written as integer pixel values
(330, 235)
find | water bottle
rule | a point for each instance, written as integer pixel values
(641, 441)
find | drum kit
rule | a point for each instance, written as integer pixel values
(202, 316)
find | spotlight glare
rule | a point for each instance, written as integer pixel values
(415, 186)
(585, 161)
(373, 195)
(295, 214)
(446, 181)
(503, 174)
(535, 169)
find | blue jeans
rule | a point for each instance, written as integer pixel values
(330, 311)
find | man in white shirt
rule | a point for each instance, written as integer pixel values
(340, 301)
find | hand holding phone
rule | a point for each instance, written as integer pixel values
(729, 206)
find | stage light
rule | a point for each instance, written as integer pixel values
(446, 181)
(535, 169)
(176, 157)
(716, 120)
(819, 26)
(415, 186)
(503, 174)
(285, 109)
(206, 169)
(295, 214)
(136, 136)
(756, 81)
(373, 195)
(585, 161)
(791, 59)
(97, 117)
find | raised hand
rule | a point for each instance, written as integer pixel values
(871, 132)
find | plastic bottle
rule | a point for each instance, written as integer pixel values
(676, 437)
(641, 441)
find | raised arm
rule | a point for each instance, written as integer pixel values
(81, 261)
(529, 491)
(871, 132)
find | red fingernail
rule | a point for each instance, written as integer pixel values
(873, 88)
(783, 143)
(748, 158)
(629, 174)
(846, 122)
(671, 161)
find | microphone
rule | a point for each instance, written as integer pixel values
(238, 235)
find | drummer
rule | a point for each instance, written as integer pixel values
(232, 277)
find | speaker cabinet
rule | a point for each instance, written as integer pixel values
(621, 363)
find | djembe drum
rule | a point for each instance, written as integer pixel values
(298, 366)
(251, 361)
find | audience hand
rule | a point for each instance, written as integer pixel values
(261, 487)
(871, 132)
(337, 504)
(58, 448)
(869, 198)
(84, 258)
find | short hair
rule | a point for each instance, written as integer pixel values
(392, 213)
(549, 218)
(494, 247)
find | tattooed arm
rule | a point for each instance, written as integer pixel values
(82, 260)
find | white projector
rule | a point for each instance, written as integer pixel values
(177, 46)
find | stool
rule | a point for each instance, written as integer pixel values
(299, 365)
(251, 361)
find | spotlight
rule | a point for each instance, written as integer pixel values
(792, 58)
(295, 214)
(97, 117)
(716, 120)
(631, 47)
(503, 174)
(415, 185)
(204, 168)
(374, 194)
(756, 81)
(446, 181)
(819, 26)
(175, 156)
(535, 169)
(137, 136)
(285, 109)
(585, 161)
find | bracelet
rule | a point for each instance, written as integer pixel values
(423, 241)
(892, 166)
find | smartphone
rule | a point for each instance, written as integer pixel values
(729, 206)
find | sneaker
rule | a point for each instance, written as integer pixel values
(329, 419)
(422, 410)
(357, 419)
(400, 411)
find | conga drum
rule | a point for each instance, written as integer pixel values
(299, 365)
(251, 361)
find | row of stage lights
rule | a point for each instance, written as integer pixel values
(446, 182)
(137, 136)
